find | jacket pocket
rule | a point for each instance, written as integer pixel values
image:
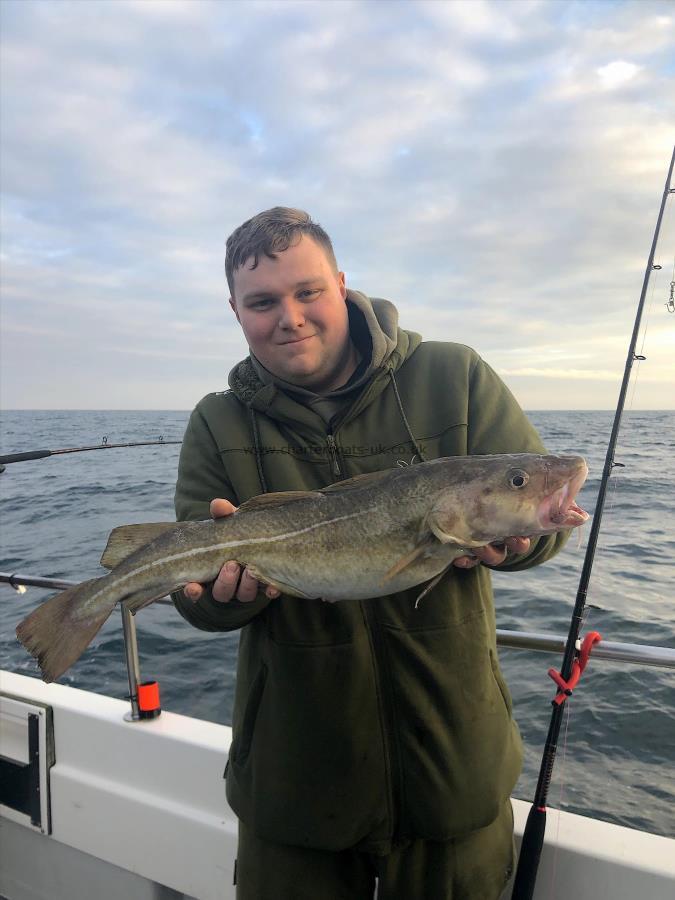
(315, 773)
(241, 746)
(459, 746)
(501, 684)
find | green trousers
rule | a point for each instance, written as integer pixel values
(475, 866)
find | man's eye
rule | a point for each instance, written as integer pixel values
(304, 295)
(262, 304)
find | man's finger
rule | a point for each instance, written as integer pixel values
(248, 587)
(220, 507)
(517, 544)
(226, 583)
(193, 591)
(466, 562)
(491, 555)
(494, 554)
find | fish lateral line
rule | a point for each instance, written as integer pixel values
(211, 548)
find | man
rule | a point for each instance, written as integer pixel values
(370, 739)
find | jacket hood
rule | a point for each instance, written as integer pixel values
(381, 320)
(390, 345)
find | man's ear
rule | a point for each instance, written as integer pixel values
(342, 285)
(234, 309)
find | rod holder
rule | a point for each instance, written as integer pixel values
(133, 665)
(143, 695)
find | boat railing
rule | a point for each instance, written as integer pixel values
(613, 651)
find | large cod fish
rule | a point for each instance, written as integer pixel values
(365, 537)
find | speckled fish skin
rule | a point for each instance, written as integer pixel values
(366, 537)
(341, 543)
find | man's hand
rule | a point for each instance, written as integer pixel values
(230, 581)
(493, 554)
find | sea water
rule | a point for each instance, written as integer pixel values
(615, 757)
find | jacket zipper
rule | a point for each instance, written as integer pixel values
(387, 719)
(384, 689)
(333, 454)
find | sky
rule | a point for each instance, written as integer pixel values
(495, 169)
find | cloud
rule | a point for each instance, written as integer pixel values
(579, 374)
(617, 73)
(494, 169)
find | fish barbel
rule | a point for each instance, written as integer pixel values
(368, 536)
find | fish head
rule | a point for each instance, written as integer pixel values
(491, 497)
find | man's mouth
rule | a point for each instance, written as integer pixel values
(297, 340)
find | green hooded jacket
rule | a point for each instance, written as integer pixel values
(362, 722)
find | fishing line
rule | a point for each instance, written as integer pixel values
(641, 357)
(563, 773)
(635, 375)
(614, 489)
(613, 493)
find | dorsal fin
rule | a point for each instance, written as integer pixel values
(126, 539)
(266, 501)
(358, 481)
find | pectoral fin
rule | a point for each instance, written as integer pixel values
(421, 549)
(126, 539)
(449, 530)
(432, 584)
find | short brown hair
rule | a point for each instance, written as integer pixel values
(271, 232)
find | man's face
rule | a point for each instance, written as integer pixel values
(293, 313)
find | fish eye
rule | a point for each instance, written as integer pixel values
(518, 479)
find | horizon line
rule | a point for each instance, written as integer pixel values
(190, 409)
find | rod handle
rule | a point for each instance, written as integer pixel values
(20, 457)
(530, 853)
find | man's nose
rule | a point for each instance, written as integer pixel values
(292, 313)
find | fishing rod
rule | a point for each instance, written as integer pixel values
(573, 662)
(104, 445)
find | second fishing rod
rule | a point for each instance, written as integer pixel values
(27, 455)
(533, 836)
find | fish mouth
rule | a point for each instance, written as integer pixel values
(559, 509)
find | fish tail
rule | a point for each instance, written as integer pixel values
(56, 634)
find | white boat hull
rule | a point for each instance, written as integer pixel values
(138, 809)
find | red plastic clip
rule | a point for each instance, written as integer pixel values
(565, 688)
